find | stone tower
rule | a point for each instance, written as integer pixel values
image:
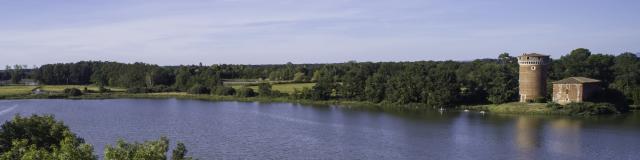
(533, 76)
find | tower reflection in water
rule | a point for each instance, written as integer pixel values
(564, 137)
(558, 136)
(527, 136)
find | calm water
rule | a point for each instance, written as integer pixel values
(238, 130)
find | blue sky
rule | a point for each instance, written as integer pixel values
(309, 31)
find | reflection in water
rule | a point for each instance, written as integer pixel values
(238, 130)
(564, 138)
(527, 136)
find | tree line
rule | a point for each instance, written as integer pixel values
(433, 83)
(15, 73)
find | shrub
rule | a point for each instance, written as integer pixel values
(305, 93)
(72, 92)
(540, 100)
(199, 89)
(224, 91)
(147, 150)
(585, 108)
(154, 89)
(276, 93)
(264, 89)
(162, 88)
(138, 90)
(299, 77)
(245, 92)
(611, 96)
(102, 89)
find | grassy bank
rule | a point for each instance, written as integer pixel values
(8, 91)
(55, 92)
(514, 108)
(573, 109)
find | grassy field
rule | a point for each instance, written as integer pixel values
(60, 88)
(24, 90)
(284, 88)
(15, 90)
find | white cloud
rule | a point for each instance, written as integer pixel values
(253, 31)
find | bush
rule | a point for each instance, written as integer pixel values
(199, 89)
(138, 90)
(162, 88)
(147, 150)
(264, 89)
(585, 108)
(224, 91)
(245, 92)
(102, 89)
(611, 96)
(540, 100)
(72, 92)
(305, 93)
(154, 89)
(277, 93)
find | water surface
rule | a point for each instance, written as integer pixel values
(241, 130)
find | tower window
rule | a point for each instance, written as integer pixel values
(533, 68)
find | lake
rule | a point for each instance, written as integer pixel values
(246, 130)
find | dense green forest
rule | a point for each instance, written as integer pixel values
(433, 83)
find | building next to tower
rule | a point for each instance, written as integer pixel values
(533, 76)
(574, 89)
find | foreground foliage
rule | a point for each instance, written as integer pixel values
(42, 137)
(147, 150)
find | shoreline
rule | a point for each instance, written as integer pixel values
(514, 108)
(207, 97)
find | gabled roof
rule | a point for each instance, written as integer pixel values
(576, 80)
(534, 55)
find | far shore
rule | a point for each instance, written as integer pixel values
(118, 93)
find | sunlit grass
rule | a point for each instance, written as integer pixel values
(60, 88)
(517, 107)
(284, 88)
(15, 90)
(169, 93)
(23, 90)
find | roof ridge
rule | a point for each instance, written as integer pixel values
(571, 80)
(533, 54)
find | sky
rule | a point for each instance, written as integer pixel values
(173, 32)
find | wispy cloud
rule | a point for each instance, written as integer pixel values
(252, 31)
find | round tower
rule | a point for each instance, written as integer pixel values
(533, 76)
